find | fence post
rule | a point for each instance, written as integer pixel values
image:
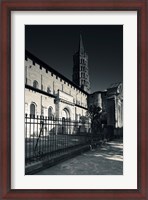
(41, 132)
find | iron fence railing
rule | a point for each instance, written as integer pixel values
(49, 137)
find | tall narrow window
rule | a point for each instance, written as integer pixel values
(50, 112)
(32, 109)
(48, 90)
(35, 84)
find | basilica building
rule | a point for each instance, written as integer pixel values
(51, 94)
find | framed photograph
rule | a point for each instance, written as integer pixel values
(73, 105)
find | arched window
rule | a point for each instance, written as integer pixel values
(35, 84)
(50, 112)
(32, 109)
(48, 90)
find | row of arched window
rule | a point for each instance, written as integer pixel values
(33, 110)
(36, 85)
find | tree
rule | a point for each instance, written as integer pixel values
(95, 113)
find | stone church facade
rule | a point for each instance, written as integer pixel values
(50, 94)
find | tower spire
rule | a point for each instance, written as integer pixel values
(80, 68)
(81, 46)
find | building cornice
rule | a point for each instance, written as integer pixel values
(81, 106)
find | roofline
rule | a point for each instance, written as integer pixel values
(117, 84)
(98, 92)
(46, 66)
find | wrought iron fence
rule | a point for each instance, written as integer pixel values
(49, 137)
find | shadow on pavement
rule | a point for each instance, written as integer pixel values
(105, 160)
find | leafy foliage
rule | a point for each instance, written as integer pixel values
(98, 117)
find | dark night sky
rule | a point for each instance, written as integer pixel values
(56, 44)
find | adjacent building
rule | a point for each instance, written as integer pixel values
(115, 105)
(110, 101)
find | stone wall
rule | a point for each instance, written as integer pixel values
(59, 94)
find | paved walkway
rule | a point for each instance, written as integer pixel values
(105, 160)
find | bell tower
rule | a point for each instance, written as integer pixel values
(80, 68)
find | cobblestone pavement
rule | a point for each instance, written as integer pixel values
(105, 160)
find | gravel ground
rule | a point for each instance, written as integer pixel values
(105, 160)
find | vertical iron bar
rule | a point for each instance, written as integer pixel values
(37, 135)
(26, 149)
(47, 150)
(44, 149)
(41, 138)
(33, 125)
(29, 138)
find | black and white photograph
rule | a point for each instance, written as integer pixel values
(73, 100)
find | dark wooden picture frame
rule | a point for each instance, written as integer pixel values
(7, 6)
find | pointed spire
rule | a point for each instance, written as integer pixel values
(81, 46)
